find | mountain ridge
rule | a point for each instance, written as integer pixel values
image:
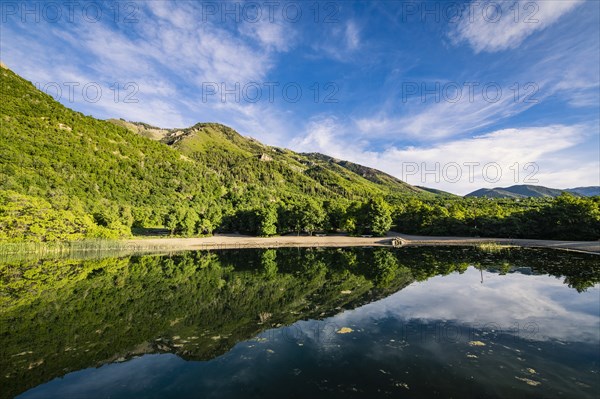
(197, 141)
(532, 191)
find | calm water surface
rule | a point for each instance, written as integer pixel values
(304, 323)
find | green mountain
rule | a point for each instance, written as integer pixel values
(373, 175)
(242, 159)
(64, 175)
(518, 191)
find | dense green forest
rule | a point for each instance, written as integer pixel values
(66, 176)
(61, 315)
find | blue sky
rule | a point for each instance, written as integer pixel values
(412, 88)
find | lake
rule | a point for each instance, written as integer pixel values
(416, 322)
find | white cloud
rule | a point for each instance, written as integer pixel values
(259, 121)
(340, 42)
(182, 15)
(550, 149)
(326, 134)
(352, 36)
(320, 133)
(557, 66)
(271, 35)
(501, 25)
(569, 66)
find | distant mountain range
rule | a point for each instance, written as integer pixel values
(526, 191)
(585, 191)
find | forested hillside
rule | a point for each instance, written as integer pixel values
(272, 170)
(99, 178)
(66, 176)
(53, 156)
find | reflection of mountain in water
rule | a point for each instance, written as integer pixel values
(65, 315)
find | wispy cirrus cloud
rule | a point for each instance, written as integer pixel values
(168, 53)
(501, 25)
(341, 43)
(435, 120)
(276, 36)
(558, 65)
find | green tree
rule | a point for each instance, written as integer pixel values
(335, 215)
(268, 262)
(267, 221)
(571, 218)
(171, 220)
(187, 225)
(29, 218)
(204, 226)
(306, 215)
(375, 217)
(352, 217)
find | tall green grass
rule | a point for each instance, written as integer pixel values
(78, 249)
(493, 247)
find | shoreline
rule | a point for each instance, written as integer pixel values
(234, 241)
(156, 245)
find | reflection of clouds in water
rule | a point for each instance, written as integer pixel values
(124, 375)
(558, 311)
(311, 333)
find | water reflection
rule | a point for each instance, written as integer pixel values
(538, 307)
(416, 317)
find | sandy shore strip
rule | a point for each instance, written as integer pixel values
(234, 241)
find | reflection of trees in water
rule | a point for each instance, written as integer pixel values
(268, 262)
(76, 314)
(580, 271)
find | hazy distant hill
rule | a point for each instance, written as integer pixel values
(585, 191)
(525, 191)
